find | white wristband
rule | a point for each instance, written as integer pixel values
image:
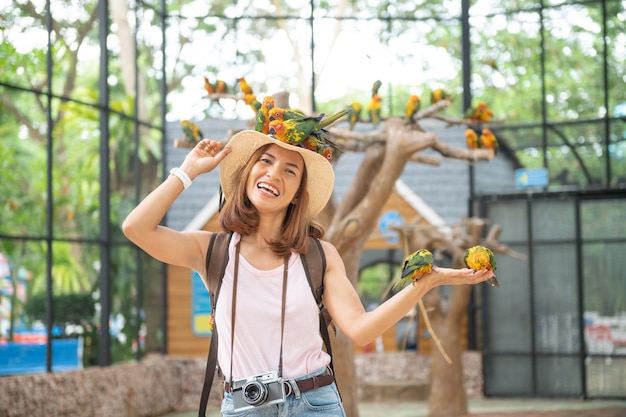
(182, 176)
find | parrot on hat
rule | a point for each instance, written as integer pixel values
(376, 87)
(481, 257)
(278, 113)
(262, 116)
(191, 130)
(415, 266)
(295, 131)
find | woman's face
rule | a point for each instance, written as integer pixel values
(275, 179)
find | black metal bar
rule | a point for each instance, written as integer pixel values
(49, 195)
(136, 180)
(544, 106)
(605, 75)
(313, 83)
(104, 353)
(163, 86)
(581, 293)
(466, 66)
(531, 292)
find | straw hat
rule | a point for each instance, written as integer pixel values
(320, 175)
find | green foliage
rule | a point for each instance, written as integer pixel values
(67, 309)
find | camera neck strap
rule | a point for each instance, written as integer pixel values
(234, 307)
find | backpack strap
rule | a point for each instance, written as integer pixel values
(314, 262)
(215, 267)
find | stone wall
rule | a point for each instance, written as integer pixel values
(161, 384)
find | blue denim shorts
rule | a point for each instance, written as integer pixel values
(323, 401)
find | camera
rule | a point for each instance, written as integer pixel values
(258, 390)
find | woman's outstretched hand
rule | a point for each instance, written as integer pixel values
(451, 276)
(204, 157)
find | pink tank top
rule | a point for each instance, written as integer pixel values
(257, 321)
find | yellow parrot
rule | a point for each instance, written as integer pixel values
(376, 87)
(437, 95)
(488, 140)
(481, 257)
(262, 116)
(250, 100)
(355, 116)
(471, 137)
(210, 89)
(191, 130)
(415, 266)
(245, 87)
(373, 109)
(412, 107)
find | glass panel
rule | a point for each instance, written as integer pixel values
(23, 46)
(617, 152)
(573, 58)
(502, 74)
(557, 327)
(150, 65)
(484, 7)
(579, 157)
(559, 376)
(511, 300)
(616, 51)
(520, 137)
(23, 174)
(76, 59)
(553, 220)
(508, 375)
(76, 174)
(513, 218)
(606, 376)
(601, 219)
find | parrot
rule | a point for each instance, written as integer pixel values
(191, 130)
(437, 95)
(318, 143)
(412, 107)
(471, 137)
(295, 131)
(210, 89)
(488, 140)
(250, 100)
(245, 87)
(415, 266)
(262, 116)
(481, 257)
(221, 87)
(373, 109)
(376, 87)
(480, 113)
(355, 116)
(278, 113)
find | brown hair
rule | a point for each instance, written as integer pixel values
(239, 214)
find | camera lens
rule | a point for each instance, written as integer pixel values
(254, 393)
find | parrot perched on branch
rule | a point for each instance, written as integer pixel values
(244, 86)
(481, 112)
(471, 137)
(412, 107)
(437, 95)
(355, 116)
(488, 140)
(210, 88)
(415, 266)
(481, 257)
(191, 130)
(373, 110)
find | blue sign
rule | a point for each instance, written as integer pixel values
(388, 220)
(532, 177)
(201, 319)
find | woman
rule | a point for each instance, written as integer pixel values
(272, 191)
